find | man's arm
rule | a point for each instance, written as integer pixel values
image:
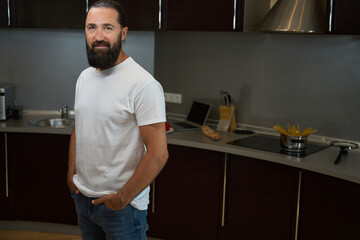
(72, 163)
(154, 138)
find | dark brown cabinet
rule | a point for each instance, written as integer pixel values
(345, 17)
(187, 195)
(3, 13)
(142, 14)
(203, 15)
(67, 14)
(260, 200)
(330, 208)
(38, 163)
(7, 200)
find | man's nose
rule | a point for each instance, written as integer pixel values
(99, 36)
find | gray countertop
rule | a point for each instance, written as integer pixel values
(321, 162)
(21, 125)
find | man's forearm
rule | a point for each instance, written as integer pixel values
(147, 170)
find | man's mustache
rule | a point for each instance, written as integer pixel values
(100, 43)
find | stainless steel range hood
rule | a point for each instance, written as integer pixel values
(303, 16)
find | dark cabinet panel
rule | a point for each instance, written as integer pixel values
(203, 15)
(3, 13)
(345, 17)
(7, 196)
(260, 200)
(141, 14)
(330, 208)
(187, 195)
(41, 168)
(48, 13)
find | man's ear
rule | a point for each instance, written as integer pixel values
(124, 33)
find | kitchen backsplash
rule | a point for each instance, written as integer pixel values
(308, 79)
(45, 64)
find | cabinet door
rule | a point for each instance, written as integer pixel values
(41, 169)
(260, 200)
(203, 15)
(3, 13)
(141, 14)
(330, 208)
(187, 195)
(346, 17)
(7, 200)
(49, 13)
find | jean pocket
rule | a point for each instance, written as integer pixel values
(73, 194)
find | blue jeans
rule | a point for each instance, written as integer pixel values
(97, 222)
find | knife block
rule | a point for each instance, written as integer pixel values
(227, 120)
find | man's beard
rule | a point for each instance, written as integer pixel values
(104, 58)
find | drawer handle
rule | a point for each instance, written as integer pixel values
(298, 207)
(6, 168)
(224, 192)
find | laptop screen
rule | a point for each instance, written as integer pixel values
(199, 112)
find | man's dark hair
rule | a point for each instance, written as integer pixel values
(122, 19)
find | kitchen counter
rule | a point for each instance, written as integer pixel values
(321, 162)
(22, 125)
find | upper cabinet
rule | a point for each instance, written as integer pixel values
(3, 13)
(67, 14)
(142, 14)
(203, 15)
(344, 17)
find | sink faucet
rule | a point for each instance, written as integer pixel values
(64, 110)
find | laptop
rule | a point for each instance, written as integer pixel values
(197, 117)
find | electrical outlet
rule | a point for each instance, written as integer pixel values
(172, 97)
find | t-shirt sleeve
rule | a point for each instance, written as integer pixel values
(150, 105)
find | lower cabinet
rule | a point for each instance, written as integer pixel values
(260, 200)
(330, 208)
(186, 196)
(200, 194)
(38, 163)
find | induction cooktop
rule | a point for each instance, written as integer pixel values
(272, 144)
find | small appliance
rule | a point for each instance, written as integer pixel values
(6, 100)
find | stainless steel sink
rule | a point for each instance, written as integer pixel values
(52, 122)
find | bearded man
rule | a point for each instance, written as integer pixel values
(118, 145)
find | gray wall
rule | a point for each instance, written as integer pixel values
(312, 80)
(44, 64)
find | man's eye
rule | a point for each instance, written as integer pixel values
(108, 28)
(91, 27)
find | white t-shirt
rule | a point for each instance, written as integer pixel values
(110, 106)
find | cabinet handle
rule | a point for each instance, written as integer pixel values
(224, 192)
(331, 14)
(6, 168)
(160, 14)
(234, 19)
(298, 207)
(8, 10)
(153, 197)
(87, 6)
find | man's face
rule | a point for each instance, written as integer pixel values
(104, 37)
